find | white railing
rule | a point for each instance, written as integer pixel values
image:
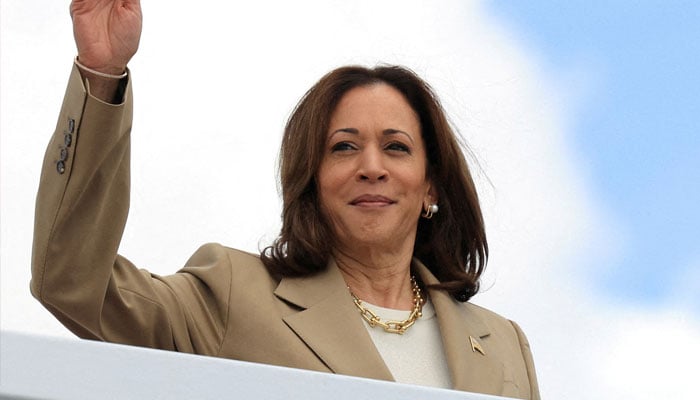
(35, 367)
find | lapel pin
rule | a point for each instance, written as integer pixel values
(476, 346)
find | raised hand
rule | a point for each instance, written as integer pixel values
(107, 32)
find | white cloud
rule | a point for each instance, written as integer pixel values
(213, 88)
(653, 355)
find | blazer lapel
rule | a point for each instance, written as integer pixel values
(328, 323)
(470, 370)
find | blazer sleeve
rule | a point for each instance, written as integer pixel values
(529, 362)
(81, 210)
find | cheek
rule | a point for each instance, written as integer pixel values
(329, 184)
(332, 176)
(417, 183)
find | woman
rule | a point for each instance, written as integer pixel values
(381, 247)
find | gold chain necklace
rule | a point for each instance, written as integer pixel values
(393, 326)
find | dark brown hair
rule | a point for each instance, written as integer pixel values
(452, 244)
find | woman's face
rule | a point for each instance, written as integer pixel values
(372, 179)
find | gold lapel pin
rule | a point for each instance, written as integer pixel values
(476, 346)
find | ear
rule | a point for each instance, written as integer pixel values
(431, 196)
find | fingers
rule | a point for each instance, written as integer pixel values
(82, 6)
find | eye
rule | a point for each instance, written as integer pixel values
(343, 146)
(398, 146)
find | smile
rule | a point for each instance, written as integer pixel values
(372, 201)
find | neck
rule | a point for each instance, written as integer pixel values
(381, 279)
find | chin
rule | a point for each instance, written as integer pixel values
(380, 232)
(375, 237)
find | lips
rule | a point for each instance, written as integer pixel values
(371, 200)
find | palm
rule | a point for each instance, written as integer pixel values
(107, 32)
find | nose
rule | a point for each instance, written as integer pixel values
(371, 165)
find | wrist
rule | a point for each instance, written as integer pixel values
(103, 72)
(108, 88)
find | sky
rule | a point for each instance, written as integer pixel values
(636, 133)
(580, 117)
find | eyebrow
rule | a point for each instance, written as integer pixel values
(385, 132)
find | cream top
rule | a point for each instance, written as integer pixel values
(416, 357)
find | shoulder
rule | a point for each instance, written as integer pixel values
(491, 319)
(213, 262)
(211, 254)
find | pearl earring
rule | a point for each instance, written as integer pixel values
(430, 210)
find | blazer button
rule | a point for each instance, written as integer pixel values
(64, 154)
(60, 167)
(71, 125)
(68, 139)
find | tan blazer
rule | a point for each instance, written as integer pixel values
(223, 303)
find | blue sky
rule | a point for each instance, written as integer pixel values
(637, 132)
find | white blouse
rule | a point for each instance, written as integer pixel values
(416, 357)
